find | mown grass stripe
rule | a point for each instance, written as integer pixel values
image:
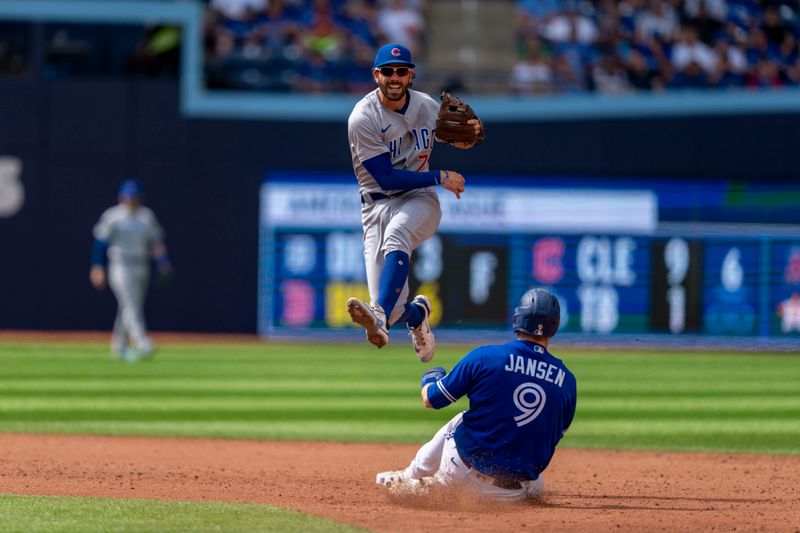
(788, 404)
(50, 514)
(353, 393)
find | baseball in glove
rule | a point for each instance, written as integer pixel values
(452, 122)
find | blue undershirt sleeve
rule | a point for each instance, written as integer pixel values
(457, 382)
(99, 256)
(390, 178)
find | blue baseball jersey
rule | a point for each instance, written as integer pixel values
(521, 401)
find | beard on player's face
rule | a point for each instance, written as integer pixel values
(394, 88)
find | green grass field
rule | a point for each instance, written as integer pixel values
(648, 400)
(626, 400)
(50, 514)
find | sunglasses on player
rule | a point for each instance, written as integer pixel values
(388, 71)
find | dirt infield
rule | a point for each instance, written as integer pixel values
(585, 490)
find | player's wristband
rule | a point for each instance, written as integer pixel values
(99, 249)
(445, 179)
(433, 375)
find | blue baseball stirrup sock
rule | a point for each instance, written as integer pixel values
(412, 316)
(393, 279)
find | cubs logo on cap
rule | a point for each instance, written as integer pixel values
(393, 54)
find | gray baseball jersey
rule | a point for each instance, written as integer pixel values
(373, 129)
(404, 222)
(130, 235)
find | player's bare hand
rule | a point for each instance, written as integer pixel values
(452, 181)
(478, 125)
(98, 277)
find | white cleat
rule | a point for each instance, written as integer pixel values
(399, 484)
(372, 319)
(393, 477)
(146, 350)
(129, 355)
(422, 337)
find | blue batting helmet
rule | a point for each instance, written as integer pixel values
(538, 313)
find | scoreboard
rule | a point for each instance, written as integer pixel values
(639, 281)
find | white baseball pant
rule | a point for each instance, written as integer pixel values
(400, 223)
(439, 459)
(129, 285)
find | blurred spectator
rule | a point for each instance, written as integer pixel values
(706, 24)
(640, 75)
(691, 50)
(401, 23)
(532, 74)
(716, 9)
(359, 18)
(565, 77)
(610, 77)
(570, 26)
(317, 74)
(773, 26)
(766, 74)
(276, 29)
(322, 34)
(358, 73)
(532, 15)
(659, 21)
(731, 64)
(691, 76)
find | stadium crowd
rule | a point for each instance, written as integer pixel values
(611, 46)
(310, 46)
(564, 46)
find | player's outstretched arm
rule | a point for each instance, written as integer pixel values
(452, 181)
(430, 377)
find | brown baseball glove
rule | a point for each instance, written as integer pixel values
(451, 123)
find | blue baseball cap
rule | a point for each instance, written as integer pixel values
(393, 54)
(130, 189)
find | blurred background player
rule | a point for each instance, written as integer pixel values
(127, 237)
(391, 133)
(522, 401)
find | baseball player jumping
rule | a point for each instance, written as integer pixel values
(391, 133)
(127, 236)
(522, 400)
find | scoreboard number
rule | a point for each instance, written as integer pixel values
(676, 285)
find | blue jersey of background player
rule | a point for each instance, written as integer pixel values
(522, 400)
